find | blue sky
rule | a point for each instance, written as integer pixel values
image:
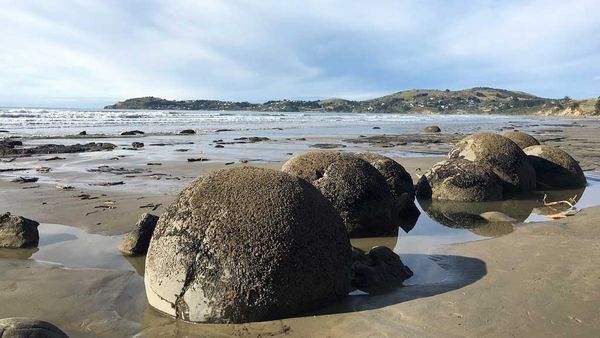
(86, 53)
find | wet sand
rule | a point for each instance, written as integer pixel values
(541, 279)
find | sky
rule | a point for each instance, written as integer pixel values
(87, 53)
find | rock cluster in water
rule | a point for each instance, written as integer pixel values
(491, 167)
(363, 194)
(247, 244)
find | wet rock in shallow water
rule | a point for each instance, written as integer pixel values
(132, 132)
(497, 216)
(18, 232)
(58, 148)
(396, 176)
(137, 241)
(187, 132)
(327, 145)
(555, 168)
(354, 187)
(137, 145)
(83, 133)
(504, 156)
(247, 244)
(432, 129)
(18, 327)
(458, 179)
(379, 267)
(523, 140)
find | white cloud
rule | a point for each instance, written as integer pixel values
(99, 51)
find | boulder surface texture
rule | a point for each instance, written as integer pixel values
(247, 244)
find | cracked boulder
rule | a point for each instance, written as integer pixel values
(137, 241)
(523, 140)
(504, 157)
(460, 180)
(355, 188)
(18, 327)
(18, 232)
(247, 244)
(555, 169)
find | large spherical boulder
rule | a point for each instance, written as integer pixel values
(523, 140)
(355, 188)
(458, 179)
(555, 168)
(397, 177)
(504, 156)
(247, 244)
(18, 327)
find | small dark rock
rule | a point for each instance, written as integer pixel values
(187, 132)
(83, 133)
(137, 241)
(219, 146)
(432, 129)
(132, 132)
(137, 145)
(379, 267)
(376, 127)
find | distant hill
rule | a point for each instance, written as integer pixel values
(479, 100)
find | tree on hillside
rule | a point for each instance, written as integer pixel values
(574, 105)
(597, 105)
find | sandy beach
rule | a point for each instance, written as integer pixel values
(538, 280)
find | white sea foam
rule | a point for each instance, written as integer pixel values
(59, 122)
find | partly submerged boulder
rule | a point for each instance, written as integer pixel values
(523, 140)
(137, 241)
(19, 327)
(504, 156)
(187, 132)
(247, 244)
(379, 267)
(18, 232)
(555, 168)
(355, 188)
(457, 179)
(432, 129)
(396, 176)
